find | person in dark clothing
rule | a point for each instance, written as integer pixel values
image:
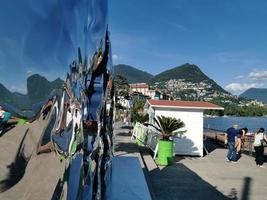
(231, 139)
(258, 146)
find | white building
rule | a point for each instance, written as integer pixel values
(139, 87)
(144, 89)
(191, 113)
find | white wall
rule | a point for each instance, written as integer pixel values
(191, 143)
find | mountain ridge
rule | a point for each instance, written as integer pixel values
(184, 82)
(260, 94)
(132, 74)
(188, 72)
(39, 89)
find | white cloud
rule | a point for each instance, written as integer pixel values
(240, 77)
(115, 57)
(240, 87)
(258, 75)
(22, 90)
(29, 71)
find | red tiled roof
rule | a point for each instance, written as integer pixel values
(139, 86)
(184, 104)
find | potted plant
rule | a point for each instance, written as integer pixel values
(168, 127)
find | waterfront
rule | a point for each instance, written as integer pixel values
(222, 123)
(194, 178)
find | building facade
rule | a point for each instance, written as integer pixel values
(191, 113)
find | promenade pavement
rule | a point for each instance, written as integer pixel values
(209, 177)
(23, 173)
(129, 177)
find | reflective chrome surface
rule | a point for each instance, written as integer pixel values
(56, 82)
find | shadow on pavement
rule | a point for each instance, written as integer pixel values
(126, 127)
(212, 145)
(16, 168)
(124, 134)
(246, 188)
(126, 147)
(179, 182)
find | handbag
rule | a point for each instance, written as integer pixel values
(264, 143)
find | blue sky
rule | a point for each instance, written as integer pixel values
(227, 39)
(42, 37)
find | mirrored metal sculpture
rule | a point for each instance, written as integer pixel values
(62, 130)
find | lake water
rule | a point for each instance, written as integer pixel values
(223, 123)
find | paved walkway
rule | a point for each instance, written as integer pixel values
(128, 170)
(210, 177)
(23, 173)
(188, 178)
(123, 145)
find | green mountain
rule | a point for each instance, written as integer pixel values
(185, 82)
(256, 93)
(39, 88)
(132, 74)
(187, 73)
(14, 98)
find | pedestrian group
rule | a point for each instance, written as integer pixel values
(235, 139)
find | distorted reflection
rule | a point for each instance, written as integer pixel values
(57, 133)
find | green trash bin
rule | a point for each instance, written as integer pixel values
(165, 153)
(21, 121)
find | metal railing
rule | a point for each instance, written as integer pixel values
(218, 136)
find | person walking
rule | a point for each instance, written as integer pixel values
(231, 140)
(258, 146)
(241, 134)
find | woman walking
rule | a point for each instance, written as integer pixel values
(258, 146)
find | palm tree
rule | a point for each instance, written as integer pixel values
(169, 126)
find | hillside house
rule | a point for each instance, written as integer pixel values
(191, 113)
(140, 88)
(144, 89)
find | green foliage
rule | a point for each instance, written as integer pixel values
(169, 126)
(132, 74)
(138, 104)
(232, 109)
(121, 86)
(139, 117)
(137, 111)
